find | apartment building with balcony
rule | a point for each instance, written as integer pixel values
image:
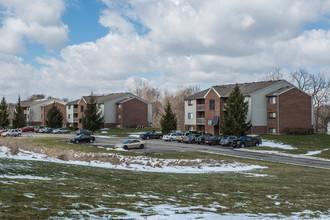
(118, 110)
(273, 107)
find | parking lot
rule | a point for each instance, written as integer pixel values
(161, 146)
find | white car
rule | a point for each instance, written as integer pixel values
(61, 131)
(134, 143)
(12, 133)
(170, 137)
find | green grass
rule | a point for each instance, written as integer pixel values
(120, 132)
(302, 143)
(77, 189)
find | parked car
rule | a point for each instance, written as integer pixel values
(150, 135)
(128, 144)
(227, 140)
(61, 131)
(36, 129)
(84, 131)
(12, 133)
(170, 137)
(45, 130)
(201, 139)
(3, 130)
(25, 129)
(191, 138)
(82, 138)
(246, 141)
(181, 135)
(212, 140)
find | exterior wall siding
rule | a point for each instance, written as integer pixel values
(134, 113)
(295, 110)
(209, 114)
(45, 109)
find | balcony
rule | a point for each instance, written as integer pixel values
(75, 110)
(75, 120)
(200, 107)
(200, 121)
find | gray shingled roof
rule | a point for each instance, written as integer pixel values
(280, 91)
(246, 89)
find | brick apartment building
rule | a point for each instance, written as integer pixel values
(36, 111)
(123, 110)
(273, 107)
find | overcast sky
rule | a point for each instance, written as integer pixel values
(67, 49)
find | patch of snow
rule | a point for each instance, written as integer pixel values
(136, 136)
(310, 153)
(29, 195)
(104, 132)
(142, 163)
(267, 143)
(273, 197)
(255, 175)
(24, 177)
(70, 195)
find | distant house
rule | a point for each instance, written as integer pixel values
(123, 110)
(273, 107)
(36, 111)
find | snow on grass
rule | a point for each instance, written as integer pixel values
(30, 195)
(310, 153)
(142, 163)
(173, 212)
(29, 177)
(267, 143)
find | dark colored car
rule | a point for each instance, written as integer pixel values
(213, 140)
(189, 138)
(201, 139)
(25, 129)
(82, 138)
(151, 135)
(246, 141)
(227, 140)
(84, 131)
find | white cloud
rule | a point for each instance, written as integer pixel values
(188, 42)
(37, 21)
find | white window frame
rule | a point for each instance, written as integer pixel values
(190, 115)
(272, 130)
(209, 122)
(272, 115)
(272, 100)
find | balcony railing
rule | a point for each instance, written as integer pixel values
(200, 121)
(75, 120)
(200, 107)
(75, 110)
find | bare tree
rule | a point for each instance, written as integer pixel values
(275, 74)
(318, 86)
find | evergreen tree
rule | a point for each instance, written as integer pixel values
(54, 117)
(235, 112)
(4, 115)
(92, 119)
(19, 117)
(168, 121)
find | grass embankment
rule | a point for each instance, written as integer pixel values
(302, 143)
(87, 192)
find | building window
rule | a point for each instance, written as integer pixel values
(69, 107)
(190, 115)
(81, 108)
(272, 100)
(272, 130)
(119, 116)
(119, 106)
(190, 128)
(118, 126)
(99, 105)
(209, 122)
(69, 116)
(212, 104)
(272, 115)
(189, 103)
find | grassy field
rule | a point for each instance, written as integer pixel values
(302, 143)
(44, 190)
